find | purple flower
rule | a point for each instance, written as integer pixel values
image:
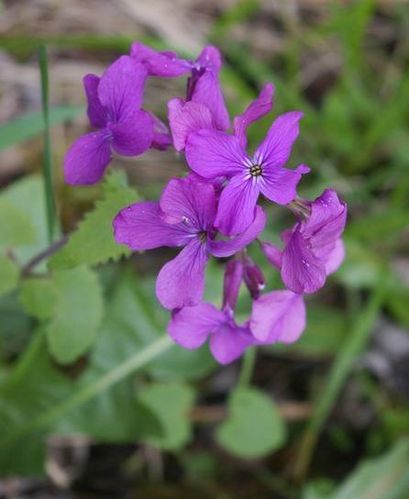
(212, 153)
(184, 217)
(164, 64)
(190, 327)
(114, 107)
(278, 316)
(203, 88)
(313, 248)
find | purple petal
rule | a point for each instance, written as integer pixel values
(275, 149)
(121, 88)
(233, 275)
(134, 135)
(227, 248)
(210, 57)
(87, 158)
(278, 316)
(325, 224)
(96, 112)
(335, 258)
(237, 204)
(161, 135)
(253, 277)
(280, 184)
(141, 227)
(191, 326)
(301, 270)
(211, 153)
(272, 253)
(185, 118)
(190, 202)
(165, 64)
(258, 108)
(229, 343)
(181, 281)
(207, 91)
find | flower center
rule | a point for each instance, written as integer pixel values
(256, 170)
(203, 236)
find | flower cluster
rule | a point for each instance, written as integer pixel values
(213, 211)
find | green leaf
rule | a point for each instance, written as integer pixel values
(38, 297)
(15, 226)
(93, 241)
(384, 478)
(254, 428)
(31, 124)
(9, 273)
(77, 313)
(27, 197)
(171, 403)
(139, 320)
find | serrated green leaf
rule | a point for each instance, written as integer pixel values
(38, 297)
(77, 313)
(9, 273)
(254, 428)
(31, 124)
(93, 242)
(171, 403)
(15, 226)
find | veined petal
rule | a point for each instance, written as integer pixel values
(87, 158)
(212, 153)
(134, 135)
(336, 257)
(141, 227)
(236, 211)
(185, 118)
(96, 112)
(326, 223)
(229, 247)
(190, 202)
(207, 91)
(301, 270)
(190, 326)
(164, 64)
(275, 149)
(278, 316)
(121, 88)
(256, 110)
(280, 184)
(229, 343)
(181, 281)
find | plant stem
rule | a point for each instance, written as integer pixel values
(53, 248)
(247, 367)
(47, 162)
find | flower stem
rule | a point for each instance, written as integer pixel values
(247, 367)
(47, 162)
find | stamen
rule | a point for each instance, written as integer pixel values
(256, 170)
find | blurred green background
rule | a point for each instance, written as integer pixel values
(94, 402)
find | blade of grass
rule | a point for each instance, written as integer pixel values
(29, 125)
(353, 345)
(47, 162)
(91, 390)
